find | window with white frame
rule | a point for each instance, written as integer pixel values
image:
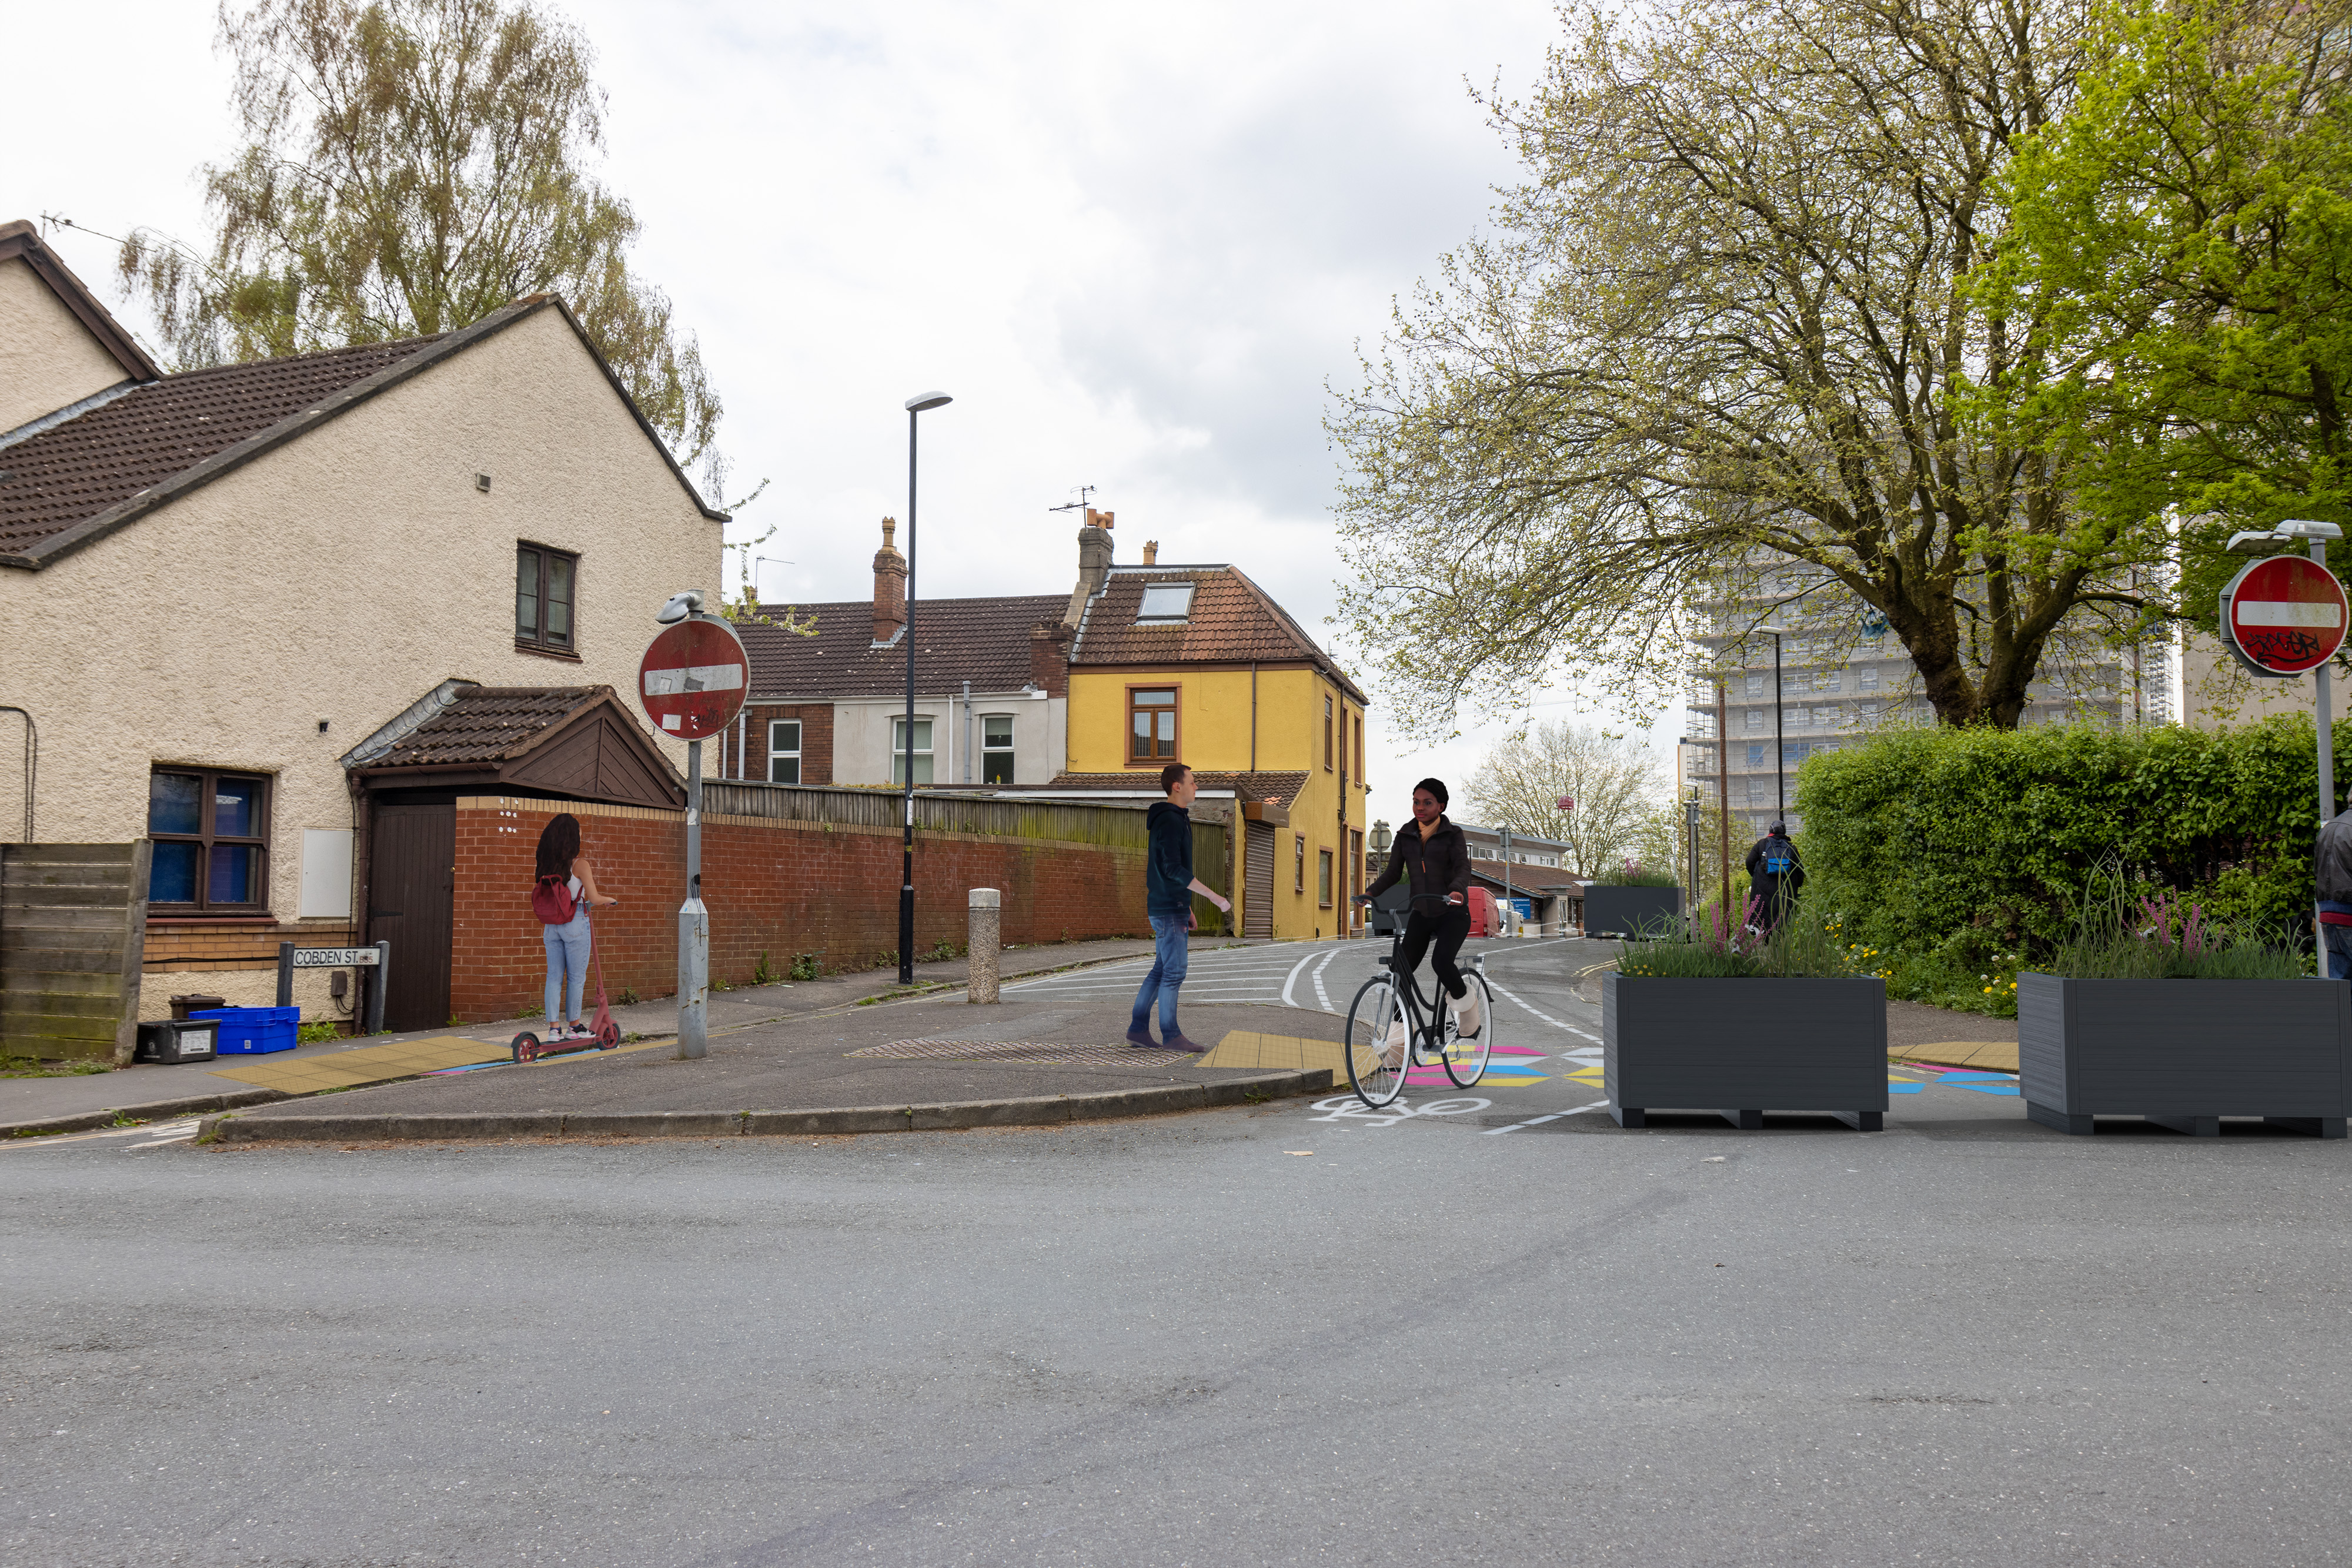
(1756, 718)
(785, 751)
(1755, 685)
(996, 748)
(1866, 680)
(899, 751)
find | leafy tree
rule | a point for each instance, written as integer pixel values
(2181, 241)
(1614, 781)
(409, 167)
(1718, 337)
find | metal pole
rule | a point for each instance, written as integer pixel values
(693, 926)
(286, 973)
(375, 991)
(1723, 787)
(2326, 728)
(1507, 909)
(906, 847)
(1779, 741)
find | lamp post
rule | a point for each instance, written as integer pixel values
(1779, 742)
(915, 406)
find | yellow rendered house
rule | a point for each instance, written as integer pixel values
(1196, 664)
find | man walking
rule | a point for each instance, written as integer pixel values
(2331, 870)
(1774, 876)
(1169, 886)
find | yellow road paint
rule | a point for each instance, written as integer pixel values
(1980, 1055)
(1278, 1052)
(368, 1064)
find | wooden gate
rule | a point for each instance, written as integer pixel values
(412, 866)
(1257, 881)
(73, 930)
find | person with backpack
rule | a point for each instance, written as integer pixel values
(566, 890)
(2331, 870)
(1774, 876)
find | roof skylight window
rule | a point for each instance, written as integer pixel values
(1164, 603)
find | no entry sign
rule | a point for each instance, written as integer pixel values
(692, 678)
(2284, 615)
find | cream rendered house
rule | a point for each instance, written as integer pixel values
(219, 586)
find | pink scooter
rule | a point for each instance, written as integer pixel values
(604, 1034)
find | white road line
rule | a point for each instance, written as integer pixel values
(1321, 995)
(1540, 1120)
(1288, 999)
(1541, 1014)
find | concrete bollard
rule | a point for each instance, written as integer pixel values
(987, 916)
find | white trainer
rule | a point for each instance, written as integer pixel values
(1469, 1017)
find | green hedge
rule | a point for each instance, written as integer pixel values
(1955, 847)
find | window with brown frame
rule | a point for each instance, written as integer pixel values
(1298, 869)
(547, 581)
(211, 831)
(1323, 878)
(1326, 732)
(1151, 725)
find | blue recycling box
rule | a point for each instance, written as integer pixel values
(254, 1031)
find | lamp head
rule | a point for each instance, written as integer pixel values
(680, 606)
(2304, 528)
(923, 402)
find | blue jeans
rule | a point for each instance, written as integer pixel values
(567, 957)
(2339, 938)
(1171, 956)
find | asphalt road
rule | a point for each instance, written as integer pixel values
(1281, 1335)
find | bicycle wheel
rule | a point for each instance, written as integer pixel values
(1370, 1018)
(1465, 1059)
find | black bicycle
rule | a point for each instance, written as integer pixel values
(1391, 1030)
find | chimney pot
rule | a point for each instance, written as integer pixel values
(1151, 552)
(889, 586)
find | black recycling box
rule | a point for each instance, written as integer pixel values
(179, 1039)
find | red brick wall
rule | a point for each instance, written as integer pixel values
(780, 888)
(816, 742)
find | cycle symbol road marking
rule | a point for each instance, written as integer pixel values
(1348, 1108)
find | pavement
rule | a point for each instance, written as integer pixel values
(1483, 1326)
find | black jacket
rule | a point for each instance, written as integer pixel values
(2331, 862)
(1771, 883)
(1440, 864)
(1168, 872)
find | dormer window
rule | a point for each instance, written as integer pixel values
(1165, 603)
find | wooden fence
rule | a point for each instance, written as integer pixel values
(73, 928)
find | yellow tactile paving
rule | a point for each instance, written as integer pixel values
(368, 1064)
(1245, 1048)
(1981, 1055)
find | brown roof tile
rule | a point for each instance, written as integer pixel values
(983, 641)
(1231, 621)
(1529, 876)
(76, 470)
(489, 724)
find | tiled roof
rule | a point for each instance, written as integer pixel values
(489, 724)
(983, 641)
(76, 470)
(1231, 621)
(1529, 876)
(1278, 788)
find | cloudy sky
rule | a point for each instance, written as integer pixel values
(1134, 245)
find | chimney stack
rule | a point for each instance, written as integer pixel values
(1049, 658)
(1093, 564)
(889, 586)
(1151, 552)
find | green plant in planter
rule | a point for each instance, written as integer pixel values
(2132, 931)
(1804, 943)
(1633, 874)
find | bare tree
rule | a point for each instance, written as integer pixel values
(1723, 328)
(1614, 781)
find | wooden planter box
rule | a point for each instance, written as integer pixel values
(1631, 911)
(2185, 1053)
(1740, 1048)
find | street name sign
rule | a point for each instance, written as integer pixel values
(693, 678)
(2284, 615)
(335, 958)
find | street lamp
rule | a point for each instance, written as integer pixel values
(1779, 746)
(915, 406)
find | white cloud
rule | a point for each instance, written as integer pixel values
(1133, 243)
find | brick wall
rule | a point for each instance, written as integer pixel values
(816, 742)
(784, 888)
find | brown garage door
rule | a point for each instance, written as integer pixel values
(1257, 881)
(411, 875)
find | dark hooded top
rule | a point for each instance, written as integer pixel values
(1438, 864)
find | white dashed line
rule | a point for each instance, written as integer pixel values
(1540, 1120)
(1321, 995)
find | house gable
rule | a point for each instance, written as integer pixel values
(59, 346)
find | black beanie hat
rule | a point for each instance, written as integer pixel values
(1435, 786)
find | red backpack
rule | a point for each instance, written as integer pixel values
(551, 900)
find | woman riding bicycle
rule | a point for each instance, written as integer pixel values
(1433, 853)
